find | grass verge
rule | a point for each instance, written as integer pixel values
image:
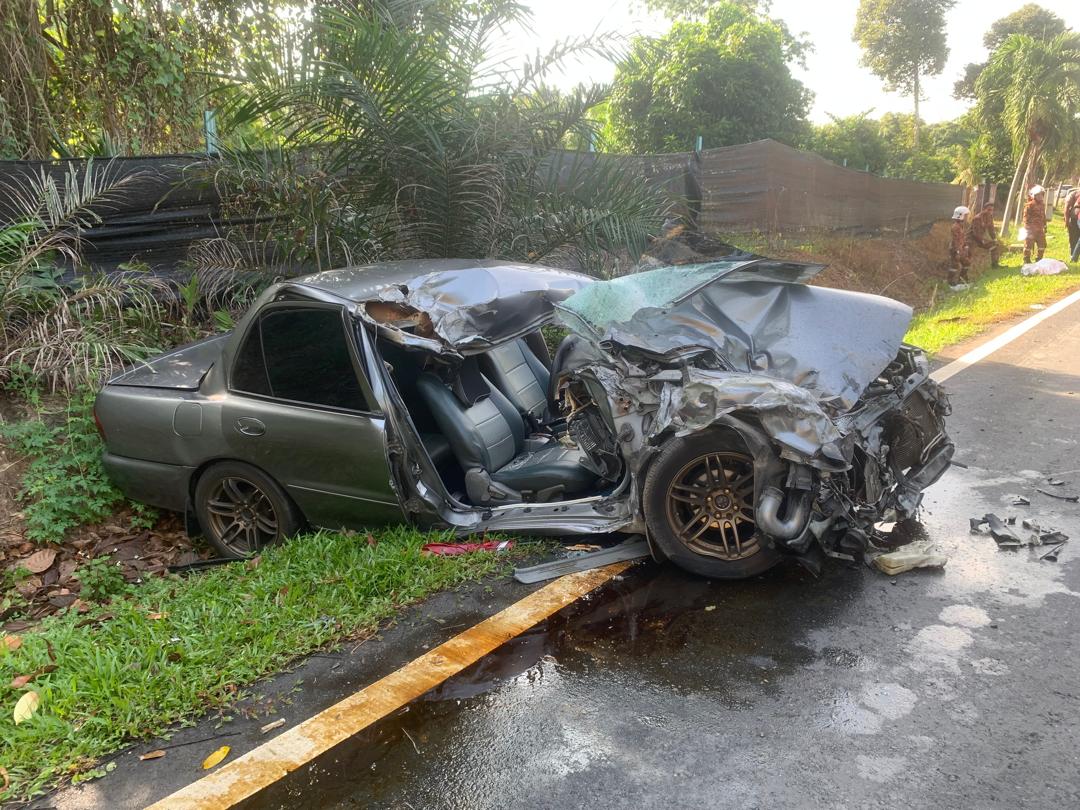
(173, 648)
(995, 296)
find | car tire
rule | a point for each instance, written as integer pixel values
(242, 510)
(698, 504)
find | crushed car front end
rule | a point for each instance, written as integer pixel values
(758, 415)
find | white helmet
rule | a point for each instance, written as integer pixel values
(1036, 191)
(961, 212)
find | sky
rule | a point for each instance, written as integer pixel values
(840, 85)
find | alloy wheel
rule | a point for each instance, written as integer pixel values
(710, 506)
(241, 515)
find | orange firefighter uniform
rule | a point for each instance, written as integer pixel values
(983, 233)
(1035, 225)
(959, 253)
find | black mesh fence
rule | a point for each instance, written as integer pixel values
(171, 201)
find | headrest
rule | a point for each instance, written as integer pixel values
(469, 386)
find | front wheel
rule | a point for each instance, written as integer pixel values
(241, 509)
(699, 507)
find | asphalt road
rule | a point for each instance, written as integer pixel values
(957, 688)
(954, 688)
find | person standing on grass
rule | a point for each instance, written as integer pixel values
(959, 249)
(983, 232)
(1070, 219)
(1035, 223)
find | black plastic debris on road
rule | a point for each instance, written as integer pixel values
(1070, 498)
(1007, 538)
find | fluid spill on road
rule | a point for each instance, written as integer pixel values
(662, 676)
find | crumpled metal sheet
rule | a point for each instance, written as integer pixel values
(833, 343)
(788, 414)
(474, 308)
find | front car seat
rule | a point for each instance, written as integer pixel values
(521, 377)
(487, 436)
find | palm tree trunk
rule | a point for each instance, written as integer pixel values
(916, 109)
(1033, 161)
(1005, 227)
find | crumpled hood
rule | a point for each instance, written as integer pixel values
(756, 316)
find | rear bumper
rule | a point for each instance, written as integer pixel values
(162, 485)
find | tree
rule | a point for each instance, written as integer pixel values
(1036, 86)
(1031, 20)
(404, 141)
(853, 141)
(726, 78)
(902, 41)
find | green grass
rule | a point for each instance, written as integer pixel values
(995, 296)
(134, 675)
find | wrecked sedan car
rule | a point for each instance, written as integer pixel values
(727, 410)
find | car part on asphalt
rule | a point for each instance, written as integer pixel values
(633, 548)
(1069, 498)
(731, 411)
(920, 554)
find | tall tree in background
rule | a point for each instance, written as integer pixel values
(726, 77)
(1036, 84)
(903, 41)
(1031, 20)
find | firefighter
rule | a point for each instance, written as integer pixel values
(1070, 218)
(983, 233)
(1035, 223)
(959, 250)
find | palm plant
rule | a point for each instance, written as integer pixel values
(1037, 84)
(68, 330)
(403, 135)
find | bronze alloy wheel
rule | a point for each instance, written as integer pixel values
(241, 515)
(710, 506)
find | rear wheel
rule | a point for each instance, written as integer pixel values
(242, 510)
(699, 507)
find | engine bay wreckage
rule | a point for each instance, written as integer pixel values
(729, 410)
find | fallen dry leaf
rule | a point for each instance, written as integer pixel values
(216, 757)
(158, 754)
(12, 643)
(6, 778)
(271, 726)
(253, 563)
(156, 616)
(371, 541)
(40, 561)
(20, 681)
(583, 547)
(25, 708)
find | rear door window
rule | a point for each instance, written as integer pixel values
(300, 355)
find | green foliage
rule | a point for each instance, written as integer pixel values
(101, 580)
(903, 39)
(886, 146)
(133, 676)
(65, 484)
(399, 141)
(105, 77)
(726, 77)
(69, 332)
(1031, 20)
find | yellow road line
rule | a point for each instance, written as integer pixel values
(292, 749)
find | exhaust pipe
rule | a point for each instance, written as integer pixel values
(767, 514)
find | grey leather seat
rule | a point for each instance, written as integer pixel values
(487, 436)
(521, 376)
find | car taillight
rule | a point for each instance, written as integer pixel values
(100, 427)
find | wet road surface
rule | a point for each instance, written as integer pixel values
(954, 688)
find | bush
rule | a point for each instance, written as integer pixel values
(65, 485)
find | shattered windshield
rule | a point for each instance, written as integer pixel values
(597, 307)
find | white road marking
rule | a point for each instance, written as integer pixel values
(1002, 340)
